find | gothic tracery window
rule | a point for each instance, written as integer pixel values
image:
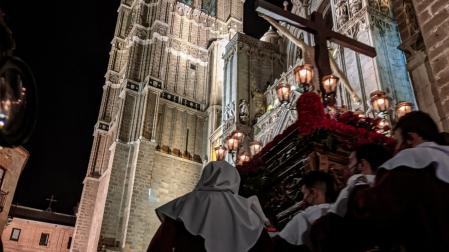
(209, 7)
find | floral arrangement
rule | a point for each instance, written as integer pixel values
(314, 131)
(353, 130)
(346, 130)
(310, 113)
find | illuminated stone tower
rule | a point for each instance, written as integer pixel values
(161, 96)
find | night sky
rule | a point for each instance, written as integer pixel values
(67, 44)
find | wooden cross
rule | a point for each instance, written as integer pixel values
(51, 200)
(321, 32)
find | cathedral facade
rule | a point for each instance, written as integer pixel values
(151, 137)
(182, 76)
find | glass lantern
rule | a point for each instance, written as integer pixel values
(283, 91)
(330, 83)
(255, 147)
(244, 157)
(403, 108)
(379, 101)
(304, 76)
(232, 143)
(220, 152)
(238, 135)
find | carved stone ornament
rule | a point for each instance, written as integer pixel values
(196, 15)
(119, 45)
(356, 27)
(243, 111)
(380, 24)
(410, 17)
(113, 78)
(160, 28)
(297, 3)
(374, 4)
(355, 6)
(229, 115)
(180, 10)
(342, 13)
(384, 7)
(140, 33)
(259, 103)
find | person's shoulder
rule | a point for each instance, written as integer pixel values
(402, 175)
(352, 180)
(299, 215)
(360, 179)
(315, 210)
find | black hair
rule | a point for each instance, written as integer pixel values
(420, 123)
(321, 180)
(374, 154)
(444, 138)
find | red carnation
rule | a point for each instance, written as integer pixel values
(310, 113)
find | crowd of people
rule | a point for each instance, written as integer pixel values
(395, 202)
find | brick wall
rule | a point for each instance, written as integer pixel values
(428, 52)
(158, 179)
(85, 215)
(12, 161)
(30, 234)
(433, 18)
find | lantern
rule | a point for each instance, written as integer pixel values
(255, 147)
(304, 76)
(283, 92)
(232, 143)
(238, 135)
(403, 108)
(220, 152)
(244, 157)
(379, 101)
(330, 83)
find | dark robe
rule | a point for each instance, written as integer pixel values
(281, 245)
(173, 236)
(332, 232)
(408, 209)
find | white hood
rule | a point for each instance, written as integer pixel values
(214, 210)
(421, 157)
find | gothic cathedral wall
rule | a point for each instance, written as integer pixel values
(425, 39)
(371, 22)
(151, 135)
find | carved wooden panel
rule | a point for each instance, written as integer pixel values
(277, 181)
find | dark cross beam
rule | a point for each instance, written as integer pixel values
(51, 200)
(321, 32)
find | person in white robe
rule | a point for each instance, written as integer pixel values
(318, 191)
(409, 202)
(365, 161)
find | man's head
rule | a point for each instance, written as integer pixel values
(318, 188)
(368, 157)
(415, 128)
